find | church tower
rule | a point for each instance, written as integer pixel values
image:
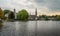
(36, 12)
(15, 12)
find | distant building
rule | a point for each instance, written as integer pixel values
(36, 14)
(33, 17)
(6, 15)
(52, 18)
(47, 17)
(15, 13)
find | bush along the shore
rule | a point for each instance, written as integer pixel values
(1, 25)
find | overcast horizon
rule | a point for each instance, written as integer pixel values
(48, 7)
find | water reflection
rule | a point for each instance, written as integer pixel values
(44, 28)
(21, 28)
(1, 25)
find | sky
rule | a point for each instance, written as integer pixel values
(47, 7)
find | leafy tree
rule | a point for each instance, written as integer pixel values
(1, 14)
(11, 15)
(58, 17)
(6, 11)
(46, 17)
(22, 15)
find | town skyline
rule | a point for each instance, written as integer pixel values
(48, 7)
(48, 13)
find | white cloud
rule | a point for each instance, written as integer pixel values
(42, 5)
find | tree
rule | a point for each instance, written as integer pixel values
(22, 15)
(46, 17)
(1, 14)
(11, 15)
(6, 11)
(58, 17)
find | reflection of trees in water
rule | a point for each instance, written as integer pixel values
(22, 31)
(1, 25)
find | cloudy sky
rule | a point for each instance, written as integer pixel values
(48, 7)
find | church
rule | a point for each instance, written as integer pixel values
(33, 17)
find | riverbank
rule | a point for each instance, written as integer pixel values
(1, 25)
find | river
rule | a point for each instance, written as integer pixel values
(31, 28)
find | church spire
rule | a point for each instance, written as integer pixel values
(15, 12)
(36, 12)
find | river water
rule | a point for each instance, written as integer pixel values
(31, 28)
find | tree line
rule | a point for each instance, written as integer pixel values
(21, 15)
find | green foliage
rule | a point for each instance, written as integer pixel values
(11, 15)
(1, 25)
(6, 11)
(58, 17)
(1, 14)
(22, 15)
(46, 17)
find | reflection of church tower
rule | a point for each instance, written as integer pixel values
(36, 13)
(15, 13)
